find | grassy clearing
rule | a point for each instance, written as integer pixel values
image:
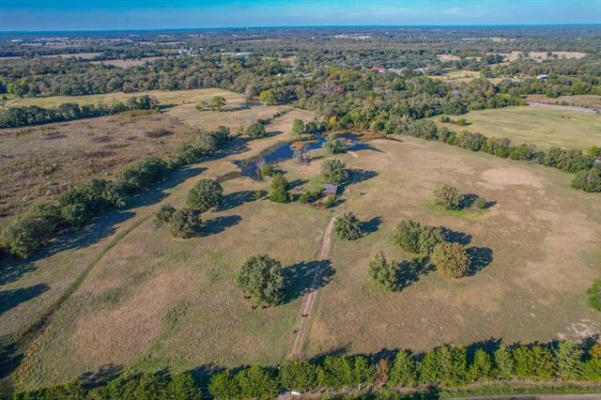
(71, 152)
(588, 101)
(524, 290)
(547, 128)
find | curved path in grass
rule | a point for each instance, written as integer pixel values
(309, 304)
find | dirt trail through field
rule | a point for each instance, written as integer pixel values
(311, 300)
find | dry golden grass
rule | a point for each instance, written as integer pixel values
(534, 125)
(54, 157)
(126, 63)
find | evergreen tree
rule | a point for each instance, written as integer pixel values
(403, 372)
(569, 360)
(481, 367)
(279, 189)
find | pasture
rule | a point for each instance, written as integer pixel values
(152, 301)
(531, 125)
(54, 157)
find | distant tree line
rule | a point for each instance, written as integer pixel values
(14, 117)
(444, 367)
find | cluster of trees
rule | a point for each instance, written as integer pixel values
(157, 386)
(35, 229)
(449, 257)
(203, 145)
(183, 223)
(13, 117)
(441, 367)
(588, 174)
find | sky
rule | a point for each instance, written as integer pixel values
(26, 15)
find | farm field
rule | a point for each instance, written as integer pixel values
(70, 152)
(153, 301)
(542, 127)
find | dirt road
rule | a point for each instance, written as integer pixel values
(311, 299)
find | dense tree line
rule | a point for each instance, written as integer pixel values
(444, 367)
(14, 117)
(35, 229)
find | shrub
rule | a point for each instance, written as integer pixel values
(451, 259)
(407, 235)
(481, 366)
(256, 131)
(28, 234)
(504, 363)
(428, 238)
(279, 189)
(261, 279)
(403, 371)
(267, 170)
(335, 145)
(257, 382)
(348, 227)
(164, 215)
(185, 223)
(333, 171)
(298, 375)
(309, 196)
(588, 180)
(224, 386)
(533, 362)
(448, 197)
(267, 97)
(383, 272)
(298, 128)
(336, 372)
(594, 295)
(141, 174)
(205, 194)
(329, 201)
(569, 360)
(217, 103)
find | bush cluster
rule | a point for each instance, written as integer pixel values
(14, 117)
(203, 145)
(572, 161)
(205, 195)
(417, 238)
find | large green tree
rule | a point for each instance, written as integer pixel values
(451, 259)
(261, 278)
(205, 195)
(333, 171)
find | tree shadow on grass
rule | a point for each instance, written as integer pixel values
(359, 175)
(13, 297)
(101, 376)
(236, 199)
(219, 224)
(410, 272)
(12, 272)
(480, 257)
(10, 358)
(371, 225)
(456, 237)
(306, 277)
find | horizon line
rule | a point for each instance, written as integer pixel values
(297, 26)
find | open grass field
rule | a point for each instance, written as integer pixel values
(152, 301)
(587, 101)
(543, 127)
(67, 153)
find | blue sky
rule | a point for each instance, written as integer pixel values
(155, 14)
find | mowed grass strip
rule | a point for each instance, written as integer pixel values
(542, 127)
